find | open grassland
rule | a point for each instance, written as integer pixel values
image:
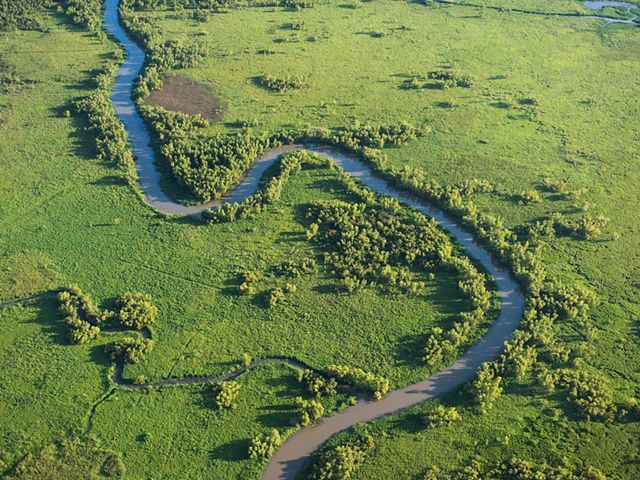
(553, 97)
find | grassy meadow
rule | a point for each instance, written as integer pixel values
(553, 97)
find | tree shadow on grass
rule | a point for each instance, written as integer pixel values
(233, 451)
(51, 321)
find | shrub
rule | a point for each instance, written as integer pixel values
(250, 282)
(281, 85)
(451, 78)
(246, 360)
(264, 445)
(293, 268)
(528, 197)
(129, 350)
(442, 417)
(225, 394)
(276, 297)
(310, 411)
(361, 380)
(137, 310)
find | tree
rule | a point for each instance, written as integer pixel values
(225, 394)
(310, 411)
(137, 310)
(264, 444)
(129, 349)
(442, 417)
(487, 388)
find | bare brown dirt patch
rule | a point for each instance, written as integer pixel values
(182, 94)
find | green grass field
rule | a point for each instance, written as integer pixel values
(66, 217)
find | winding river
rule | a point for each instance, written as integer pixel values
(288, 462)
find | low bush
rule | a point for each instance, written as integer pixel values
(442, 416)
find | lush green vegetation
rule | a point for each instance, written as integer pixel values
(559, 207)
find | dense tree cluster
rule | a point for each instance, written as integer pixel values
(203, 5)
(129, 349)
(21, 14)
(281, 85)
(310, 411)
(112, 141)
(341, 461)
(80, 314)
(370, 246)
(86, 13)
(225, 394)
(206, 166)
(359, 379)
(318, 384)
(442, 416)
(264, 445)
(136, 310)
